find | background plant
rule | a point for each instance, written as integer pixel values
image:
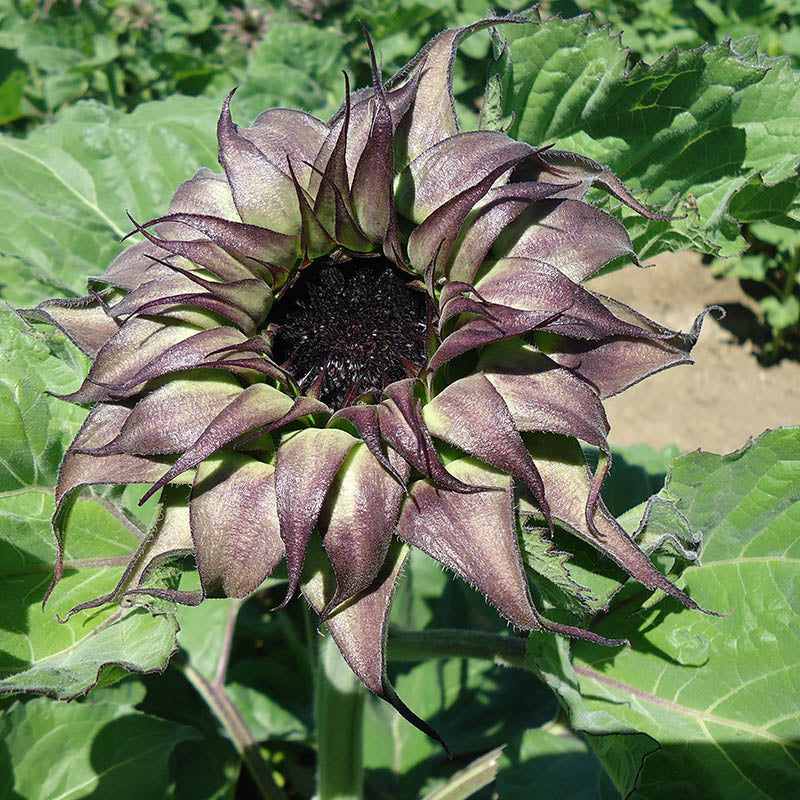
(696, 701)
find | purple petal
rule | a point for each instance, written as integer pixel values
(305, 467)
(473, 416)
(501, 206)
(441, 173)
(258, 407)
(402, 427)
(281, 133)
(575, 237)
(84, 321)
(475, 536)
(433, 117)
(433, 240)
(570, 489)
(357, 522)
(360, 628)
(234, 520)
(614, 365)
(263, 193)
(169, 419)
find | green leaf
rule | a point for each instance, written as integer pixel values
(696, 126)
(716, 697)
(276, 77)
(65, 188)
(779, 313)
(265, 694)
(474, 704)
(38, 654)
(87, 750)
(556, 762)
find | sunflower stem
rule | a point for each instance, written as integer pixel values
(225, 710)
(339, 711)
(505, 651)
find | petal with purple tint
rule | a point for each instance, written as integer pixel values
(305, 468)
(541, 396)
(472, 415)
(433, 240)
(205, 193)
(565, 167)
(570, 488)
(360, 628)
(402, 426)
(79, 469)
(575, 237)
(129, 351)
(264, 194)
(373, 179)
(613, 365)
(281, 133)
(357, 521)
(234, 520)
(441, 173)
(84, 321)
(170, 418)
(258, 408)
(500, 207)
(433, 116)
(475, 536)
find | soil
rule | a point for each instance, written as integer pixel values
(723, 399)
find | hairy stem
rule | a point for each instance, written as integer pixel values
(339, 711)
(231, 720)
(506, 651)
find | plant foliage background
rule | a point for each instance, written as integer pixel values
(107, 106)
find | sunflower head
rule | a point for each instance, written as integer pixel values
(364, 334)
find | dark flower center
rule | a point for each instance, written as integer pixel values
(345, 329)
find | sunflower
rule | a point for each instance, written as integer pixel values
(363, 335)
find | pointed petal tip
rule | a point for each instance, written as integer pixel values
(390, 695)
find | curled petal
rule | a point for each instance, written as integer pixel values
(433, 117)
(500, 207)
(128, 353)
(472, 415)
(169, 419)
(569, 487)
(475, 536)
(234, 521)
(304, 471)
(441, 173)
(357, 521)
(263, 193)
(360, 628)
(615, 364)
(575, 237)
(258, 408)
(402, 426)
(85, 321)
(283, 133)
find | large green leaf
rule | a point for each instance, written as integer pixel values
(38, 654)
(714, 700)
(85, 750)
(65, 189)
(697, 126)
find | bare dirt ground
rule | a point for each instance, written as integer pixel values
(722, 400)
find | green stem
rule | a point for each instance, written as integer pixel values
(230, 718)
(224, 709)
(339, 711)
(506, 651)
